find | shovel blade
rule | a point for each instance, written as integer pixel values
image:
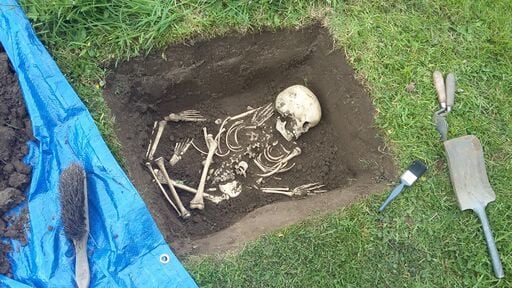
(468, 173)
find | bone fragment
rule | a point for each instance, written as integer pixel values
(161, 165)
(148, 165)
(197, 201)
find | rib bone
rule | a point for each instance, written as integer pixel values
(161, 165)
(281, 165)
(197, 201)
(162, 188)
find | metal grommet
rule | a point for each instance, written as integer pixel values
(164, 258)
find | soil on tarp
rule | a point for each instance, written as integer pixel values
(223, 77)
(15, 131)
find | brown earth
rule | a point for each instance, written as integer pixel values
(15, 131)
(222, 77)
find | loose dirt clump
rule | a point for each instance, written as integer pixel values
(222, 77)
(15, 131)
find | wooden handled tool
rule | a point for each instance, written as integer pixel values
(440, 88)
(450, 91)
(473, 190)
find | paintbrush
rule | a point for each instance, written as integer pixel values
(75, 218)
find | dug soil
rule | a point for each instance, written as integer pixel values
(15, 131)
(225, 77)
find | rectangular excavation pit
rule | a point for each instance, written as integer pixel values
(220, 78)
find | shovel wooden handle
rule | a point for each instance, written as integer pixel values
(493, 252)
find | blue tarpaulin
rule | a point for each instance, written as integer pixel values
(125, 245)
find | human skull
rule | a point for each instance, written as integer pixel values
(298, 105)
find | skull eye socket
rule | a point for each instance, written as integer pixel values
(305, 126)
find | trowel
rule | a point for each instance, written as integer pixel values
(446, 96)
(472, 187)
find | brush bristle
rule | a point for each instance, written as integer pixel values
(72, 201)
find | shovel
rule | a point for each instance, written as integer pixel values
(473, 190)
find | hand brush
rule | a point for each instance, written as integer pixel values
(75, 218)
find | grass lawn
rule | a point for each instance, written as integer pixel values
(422, 240)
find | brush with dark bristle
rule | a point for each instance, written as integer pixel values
(74, 214)
(72, 200)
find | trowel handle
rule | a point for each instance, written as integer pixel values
(493, 252)
(441, 90)
(450, 91)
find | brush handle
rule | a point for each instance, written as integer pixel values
(82, 273)
(493, 252)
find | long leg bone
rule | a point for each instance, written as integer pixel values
(215, 199)
(179, 149)
(161, 165)
(148, 165)
(197, 201)
(161, 127)
(303, 190)
(151, 139)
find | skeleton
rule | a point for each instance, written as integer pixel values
(187, 115)
(300, 107)
(297, 105)
(161, 165)
(303, 190)
(197, 201)
(179, 149)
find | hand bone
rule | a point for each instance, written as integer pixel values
(179, 149)
(187, 115)
(262, 114)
